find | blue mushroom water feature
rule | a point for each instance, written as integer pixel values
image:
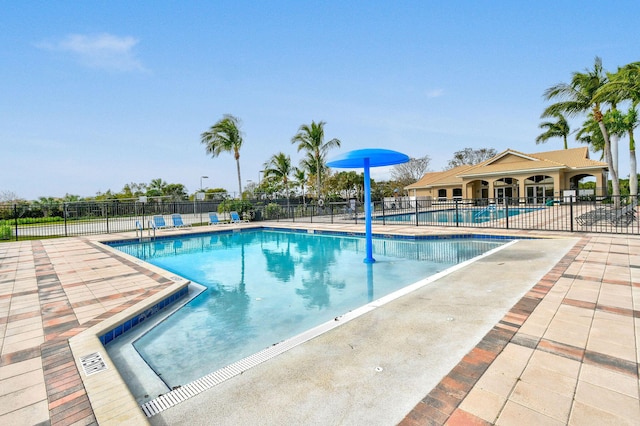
(367, 158)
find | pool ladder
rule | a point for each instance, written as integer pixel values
(140, 231)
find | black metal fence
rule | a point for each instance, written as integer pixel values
(567, 214)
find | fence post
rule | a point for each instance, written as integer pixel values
(506, 210)
(457, 217)
(64, 215)
(107, 213)
(571, 213)
(355, 213)
(15, 219)
(416, 209)
(384, 220)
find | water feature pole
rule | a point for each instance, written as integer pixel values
(367, 158)
(367, 212)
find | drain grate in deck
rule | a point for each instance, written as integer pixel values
(93, 363)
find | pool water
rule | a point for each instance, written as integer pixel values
(474, 215)
(267, 286)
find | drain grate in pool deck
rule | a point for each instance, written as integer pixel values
(93, 363)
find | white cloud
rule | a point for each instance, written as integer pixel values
(435, 93)
(104, 51)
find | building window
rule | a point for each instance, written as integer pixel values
(539, 179)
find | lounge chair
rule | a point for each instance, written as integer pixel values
(235, 218)
(177, 221)
(593, 216)
(214, 219)
(158, 223)
(624, 215)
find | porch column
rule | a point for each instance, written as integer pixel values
(558, 185)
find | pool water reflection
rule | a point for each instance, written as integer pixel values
(267, 286)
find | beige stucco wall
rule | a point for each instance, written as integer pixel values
(472, 187)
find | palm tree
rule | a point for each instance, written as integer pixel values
(555, 129)
(310, 138)
(630, 121)
(225, 136)
(308, 163)
(625, 85)
(591, 135)
(578, 97)
(300, 175)
(278, 168)
(614, 122)
(156, 187)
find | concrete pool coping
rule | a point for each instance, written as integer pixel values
(607, 261)
(110, 397)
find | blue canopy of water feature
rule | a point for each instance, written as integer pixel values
(367, 158)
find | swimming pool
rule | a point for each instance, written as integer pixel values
(264, 286)
(461, 215)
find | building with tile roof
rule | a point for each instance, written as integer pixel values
(513, 174)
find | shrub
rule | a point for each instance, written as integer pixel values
(239, 206)
(301, 210)
(272, 211)
(5, 232)
(31, 220)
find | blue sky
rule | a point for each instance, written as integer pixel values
(95, 95)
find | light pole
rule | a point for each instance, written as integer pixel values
(202, 177)
(260, 177)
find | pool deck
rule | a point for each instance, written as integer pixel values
(566, 352)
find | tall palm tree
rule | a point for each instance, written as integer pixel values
(225, 136)
(554, 129)
(310, 138)
(279, 169)
(300, 175)
(578, 97)
(591, 135)
(630, 121)
(614, 122)
(156, 187)
(625, 85)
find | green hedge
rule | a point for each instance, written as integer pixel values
(5, 232)
(239, 206)
(273, 211)
(30, 220)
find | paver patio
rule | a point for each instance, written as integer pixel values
(567, 353)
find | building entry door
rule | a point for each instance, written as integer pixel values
(538, 194)
(502, 193)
